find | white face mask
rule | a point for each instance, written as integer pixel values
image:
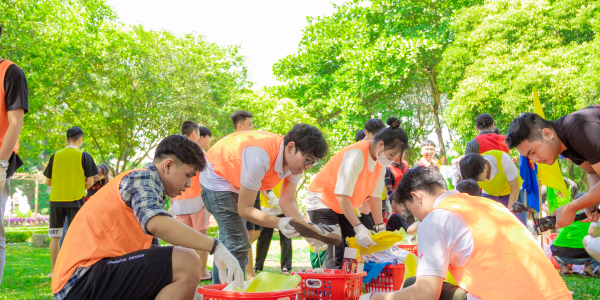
(382, 159)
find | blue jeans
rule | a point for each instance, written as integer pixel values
(504, 201)
(232, 228)
(576, 261)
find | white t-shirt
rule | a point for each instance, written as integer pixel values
(444, 240)
(255, 165)
(352, 164)
(510, 170)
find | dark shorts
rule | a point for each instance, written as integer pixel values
(57, 219)
(137, 275)
(250, 225)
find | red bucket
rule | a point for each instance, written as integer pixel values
(328, 286)
(390, 279)
(214, 292)
(414, 249)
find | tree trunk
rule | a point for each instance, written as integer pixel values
(435, 95)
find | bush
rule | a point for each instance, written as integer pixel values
(17, 236)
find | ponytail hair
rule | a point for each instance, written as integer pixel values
(393, 137)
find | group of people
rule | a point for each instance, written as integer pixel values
(248, 181)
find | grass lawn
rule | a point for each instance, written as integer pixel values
(27, 266)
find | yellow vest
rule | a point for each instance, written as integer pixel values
(68, 177)
(264, 202)
(498, 186)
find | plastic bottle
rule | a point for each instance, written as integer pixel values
(350, 262)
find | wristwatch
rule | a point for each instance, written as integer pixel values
(380, 228)
(4, 164)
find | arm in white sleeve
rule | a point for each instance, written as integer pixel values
(351, 166)
(510, 170)
(255, 165)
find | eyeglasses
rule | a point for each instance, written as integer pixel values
(307, 161)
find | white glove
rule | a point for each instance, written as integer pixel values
(2, 178)
(388, 209)
(273, 201)
(317, 245)
(224, 261)
(365, 296)
(288, 230)
(363, 236)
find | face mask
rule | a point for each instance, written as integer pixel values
(382, 159)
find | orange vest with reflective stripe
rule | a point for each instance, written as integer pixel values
(326, 180)
(506, 262)
(3, 112)
(104, 227)
(226, 155)
(189, 201)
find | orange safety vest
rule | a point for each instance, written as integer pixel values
(104, 227)
(326, 180)
(506, 262)
(189, 201)
(3, 112)
(226, 156)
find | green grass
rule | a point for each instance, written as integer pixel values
(27, 267)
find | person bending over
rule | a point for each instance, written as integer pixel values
(460, 233)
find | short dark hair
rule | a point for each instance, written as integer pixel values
(427, 143)
(184, 149)
(308, 139)
(471, 166)
(188, 127)
(374, 126)
(484, 121)
(527, 126)
(393, 137)
(469, 186)
(204, 131)
(360, 135)
(496, 130)
(239, 116)
(74, 133)
(425, 179)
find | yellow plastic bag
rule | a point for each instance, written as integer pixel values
(385, 240)
(269, 282)
(410, 268)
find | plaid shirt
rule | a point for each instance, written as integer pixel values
(144, 193)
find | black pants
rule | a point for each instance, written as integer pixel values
(449, 291)
(263, 244)
(368, 221)
(335, 254)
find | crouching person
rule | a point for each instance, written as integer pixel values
(490, 254)
(111, 250)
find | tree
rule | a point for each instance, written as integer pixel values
(127, 87)
(503, 49)
(365, 61)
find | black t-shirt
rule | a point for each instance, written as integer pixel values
(16, 96)
(395, 223)
(89, 169)
(580, 133)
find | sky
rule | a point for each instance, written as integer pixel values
(266, 30)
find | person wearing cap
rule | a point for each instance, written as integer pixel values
(14, 103)
(352, 175)
(487, 139)
(488, 252)
(70, 172)
(246, 162)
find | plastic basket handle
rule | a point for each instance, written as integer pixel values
(312, 283)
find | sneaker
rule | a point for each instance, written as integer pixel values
(328, 234)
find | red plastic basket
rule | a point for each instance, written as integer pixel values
(390, 279)
(414, 249)
(213, 292)
(336, 286)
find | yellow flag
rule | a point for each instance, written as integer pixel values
(549, 175)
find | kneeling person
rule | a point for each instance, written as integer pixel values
(111, 249)
(460, 234)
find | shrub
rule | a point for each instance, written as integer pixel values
(17, 236)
